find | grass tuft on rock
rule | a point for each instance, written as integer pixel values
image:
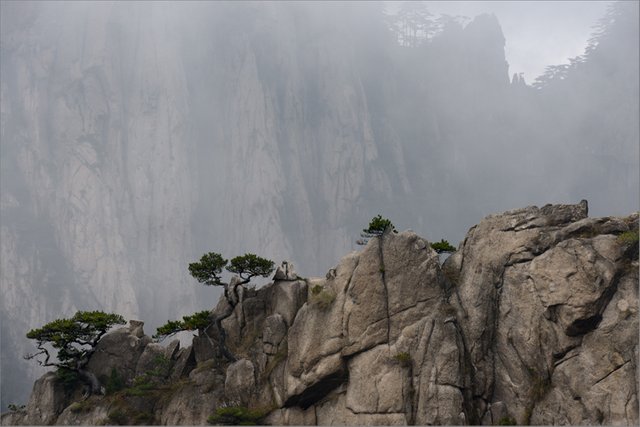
(237, 416)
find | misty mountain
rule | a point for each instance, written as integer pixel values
(137, 136)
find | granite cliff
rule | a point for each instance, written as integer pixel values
(134, 136)
(533, 320)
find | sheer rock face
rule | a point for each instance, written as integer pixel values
(533, 319)
(533, 289)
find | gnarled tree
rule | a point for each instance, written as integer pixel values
(208, 271)
(74, 340)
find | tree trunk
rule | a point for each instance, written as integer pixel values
(233, 299)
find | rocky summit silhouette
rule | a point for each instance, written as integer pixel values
(533, 320)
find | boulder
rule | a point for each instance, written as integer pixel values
(240, 380)
(153, 361)
(119, 350)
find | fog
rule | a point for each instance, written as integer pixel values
(136, 136)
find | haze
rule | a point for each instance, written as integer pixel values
(137, 136)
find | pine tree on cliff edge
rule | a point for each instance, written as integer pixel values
(74, 340)
(208, 271)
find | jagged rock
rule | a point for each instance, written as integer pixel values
(247, 321)
(572, 280)
(376, 294)
(240, 380)
(534, 320)
(286, 271)
(287, 298)
(193, 401)
(596, 382)
(13, 418)
(204, 347)
(316, 337)
(190, 405)
(153, 359)
(274, 331)
(171, 351)
(413, 279)
(533, 288)
(185, 362)
(92, 411)
(120, 350)
(136, 328)
(366, 305)
(48, 400)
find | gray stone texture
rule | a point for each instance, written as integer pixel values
(534, 320)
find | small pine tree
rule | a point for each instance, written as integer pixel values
(377, 227)
(75, 340)
(208, 271)
(443, 246)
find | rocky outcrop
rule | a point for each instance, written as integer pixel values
(534, 320)
(127, 127)
(532, 287)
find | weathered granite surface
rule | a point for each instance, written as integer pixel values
(534, 320)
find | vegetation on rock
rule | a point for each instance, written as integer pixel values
(403, 358)
(237, 415)
(194, 322)
(208, 271)
(248, 266)
(507, 421)
(322, 298)
(74, 340)
(114, 383)
(628, 237)
(443, 246)
(15, 408)
(377, 227)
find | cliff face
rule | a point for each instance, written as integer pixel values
(533, 320)
(137, 136)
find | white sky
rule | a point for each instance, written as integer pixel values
(538, 33)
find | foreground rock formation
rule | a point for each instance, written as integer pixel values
(534, 320)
